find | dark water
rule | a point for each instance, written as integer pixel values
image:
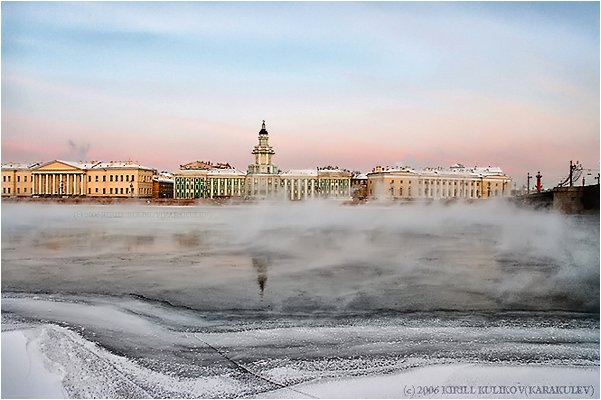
(237, 301)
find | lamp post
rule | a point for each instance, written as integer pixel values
(528, 184)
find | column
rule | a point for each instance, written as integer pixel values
(239, 184)
(212, 180)
(81, 191)
(306, 188)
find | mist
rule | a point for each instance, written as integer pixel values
(309, 257)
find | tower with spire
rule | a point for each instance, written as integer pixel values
(263, 153)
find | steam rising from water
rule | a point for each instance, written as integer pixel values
(307, 257)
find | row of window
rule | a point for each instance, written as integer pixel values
(116, 178)
(143, 191)
(444, 182)
(6, 178)
(445, 193)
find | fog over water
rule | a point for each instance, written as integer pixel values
(308, 257)
(239, 301)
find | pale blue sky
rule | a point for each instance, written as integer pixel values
(349, 84)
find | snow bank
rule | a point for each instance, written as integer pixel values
(457, 381)
(26, 373)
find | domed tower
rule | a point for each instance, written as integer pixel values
(263, 152)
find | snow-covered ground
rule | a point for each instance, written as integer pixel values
(26, 372)
(301, 300)
(100, 346)
(457, 381)
(33, 368)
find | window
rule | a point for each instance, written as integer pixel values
(111, 188)
(103, 191)
(25, 190)
(121, 178)
(96, 178)
(25, 179)
(18, 178)
(9, 181)
(96, 188)
(89, 178)
(89, 191)
(8, 188)
(121, 188)
(126, 178)
(3, 190)
(4, 179)
(18, 190)
(103, 178)
(111, 178)
(132, 178)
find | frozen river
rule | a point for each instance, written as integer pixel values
(298, 300)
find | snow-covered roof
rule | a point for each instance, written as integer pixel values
(191, 172)
(453, 171)
(119, 165)
(299, 172)
(74, 164)
(162, 179)
(360, 176)
(225, 171)
(12, 165)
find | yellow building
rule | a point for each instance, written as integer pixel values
(17, 179)
(119, 179)
(67, 178)
(457, 181)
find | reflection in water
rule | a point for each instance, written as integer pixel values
(260, 263)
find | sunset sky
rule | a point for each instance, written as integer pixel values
(515, 85)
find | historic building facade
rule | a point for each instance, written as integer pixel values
(17, 179)
(203, 180)
(457, 181)
(263, 179)
(67, 178)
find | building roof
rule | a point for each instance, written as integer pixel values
(454, 170)
(299, 172)
(162, 179)
(119, 165)
(205, 165)
(223, 171)
(20, 166)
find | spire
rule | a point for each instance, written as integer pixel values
(263, 130)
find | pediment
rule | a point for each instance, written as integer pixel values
(59, 166)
